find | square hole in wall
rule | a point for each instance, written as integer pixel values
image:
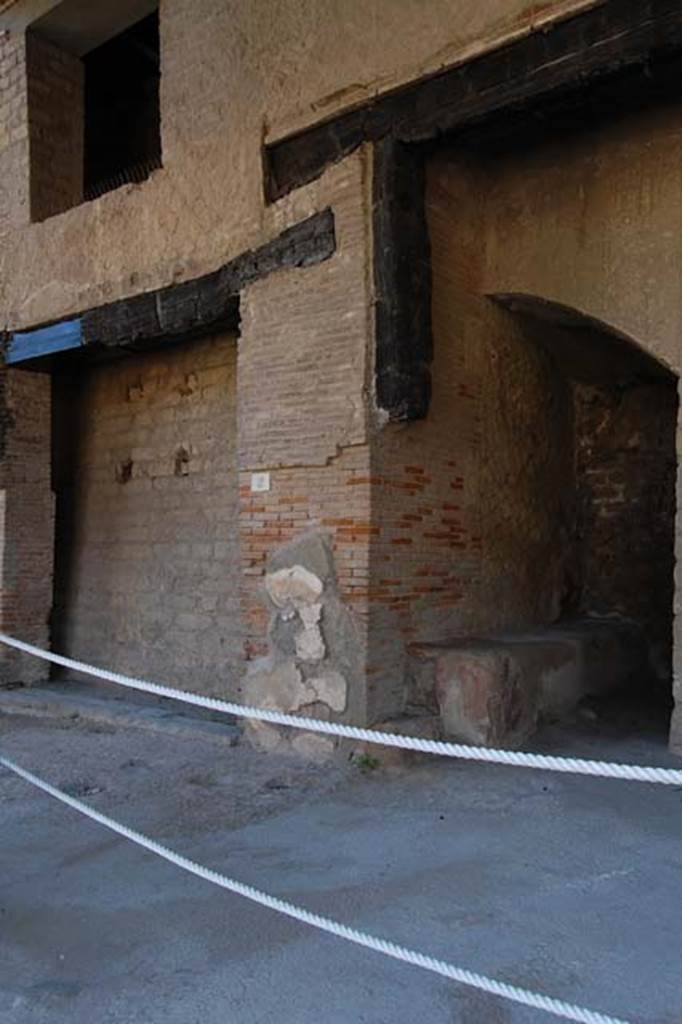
(122, 124)
(93, 75)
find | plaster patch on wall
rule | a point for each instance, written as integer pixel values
(295, 586)
(309, 644)
(331, 689)
(305, 670)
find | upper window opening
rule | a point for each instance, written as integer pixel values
(93, 76)
(122, 124)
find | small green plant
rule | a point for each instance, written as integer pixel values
(366, 763)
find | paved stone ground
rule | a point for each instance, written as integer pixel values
(571, 886)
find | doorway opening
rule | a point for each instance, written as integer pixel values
(618, 502)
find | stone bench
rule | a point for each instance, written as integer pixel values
(493, 691)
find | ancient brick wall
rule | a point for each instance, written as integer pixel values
(147, 563)
(303, 413)
(468, 503)
(625, 476)
(14, 162)
(55, 120)
(544, 446)
(26, 518)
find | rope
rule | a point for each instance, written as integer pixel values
(479, 981)
(513, 758)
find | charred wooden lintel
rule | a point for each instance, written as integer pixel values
(614, 44)
(206, 303)
(402, 282)
(582, 48)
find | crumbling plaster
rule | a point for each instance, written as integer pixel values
(231, 73)
(315, 657)
(595, 216)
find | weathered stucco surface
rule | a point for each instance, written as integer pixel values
(596, 222)
(230, 74)
(595, 217)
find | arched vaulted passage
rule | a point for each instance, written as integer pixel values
(526, 546)
(619, 487)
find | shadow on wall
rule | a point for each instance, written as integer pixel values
(576, 508)
(619, 557)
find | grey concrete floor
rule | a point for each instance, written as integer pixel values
(570, 886)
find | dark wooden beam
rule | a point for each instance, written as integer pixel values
(596, 56)
(178, 312)
(402, 282)
(586, 46)
(210, 302)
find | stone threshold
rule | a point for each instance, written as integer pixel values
(58, 704)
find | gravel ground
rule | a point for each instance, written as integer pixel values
(170, 785)
(569, 886)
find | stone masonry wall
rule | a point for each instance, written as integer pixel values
(55, 82)
(26, 519)
(147, 538)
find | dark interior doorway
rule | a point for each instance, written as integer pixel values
(620, 495)
(122, 119)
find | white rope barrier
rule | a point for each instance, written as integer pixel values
(567, 1011)
(512, 758)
